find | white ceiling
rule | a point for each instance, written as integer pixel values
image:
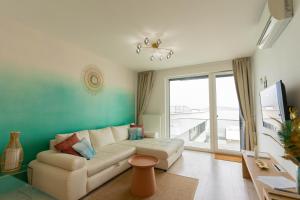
(199, 31)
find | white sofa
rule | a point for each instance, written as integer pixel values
(69, 177)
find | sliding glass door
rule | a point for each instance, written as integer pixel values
(228, 114)
(204, 112)
(189, 111)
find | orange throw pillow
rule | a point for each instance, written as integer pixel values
(66, 145)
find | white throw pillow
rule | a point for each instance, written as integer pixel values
(120, 132)
(149, 134)
(80, 134)
(101, 137)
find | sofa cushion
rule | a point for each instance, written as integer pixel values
(120, 133)
(135, 133)
(151, 134)
(52, 144)
(159, 148)
(107, 156)
(66, 146)
(101, 137)
(138, 126)
(84, 148)
(80, 134)
(61, 160)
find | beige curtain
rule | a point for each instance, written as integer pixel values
(144, 89)
(242, 76)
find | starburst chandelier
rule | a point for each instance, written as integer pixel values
(158, 53)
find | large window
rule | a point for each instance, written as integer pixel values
(204, 112)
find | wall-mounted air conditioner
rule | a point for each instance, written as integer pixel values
(276, 16)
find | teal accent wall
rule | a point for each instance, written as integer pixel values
(40, 105)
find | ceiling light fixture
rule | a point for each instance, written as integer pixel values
(158, 52)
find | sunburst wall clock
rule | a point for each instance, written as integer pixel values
(92, 79)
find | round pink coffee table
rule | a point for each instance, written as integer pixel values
(143, 180)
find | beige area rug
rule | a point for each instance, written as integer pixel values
(228, 158)
(169, 187)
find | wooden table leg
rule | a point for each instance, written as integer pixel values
(246, 173)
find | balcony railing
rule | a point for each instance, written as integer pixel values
(228, 129)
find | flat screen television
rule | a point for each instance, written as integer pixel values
(274, 106)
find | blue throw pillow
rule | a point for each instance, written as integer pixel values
(135, 133)
(84, 148)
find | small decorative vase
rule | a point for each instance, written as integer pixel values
(12, 156)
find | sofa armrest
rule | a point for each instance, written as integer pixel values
(150, 134)
(61, 160)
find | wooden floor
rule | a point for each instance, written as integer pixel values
(218, 179)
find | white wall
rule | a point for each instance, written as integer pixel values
(157, 104)
(27, 48)
(281, 62)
